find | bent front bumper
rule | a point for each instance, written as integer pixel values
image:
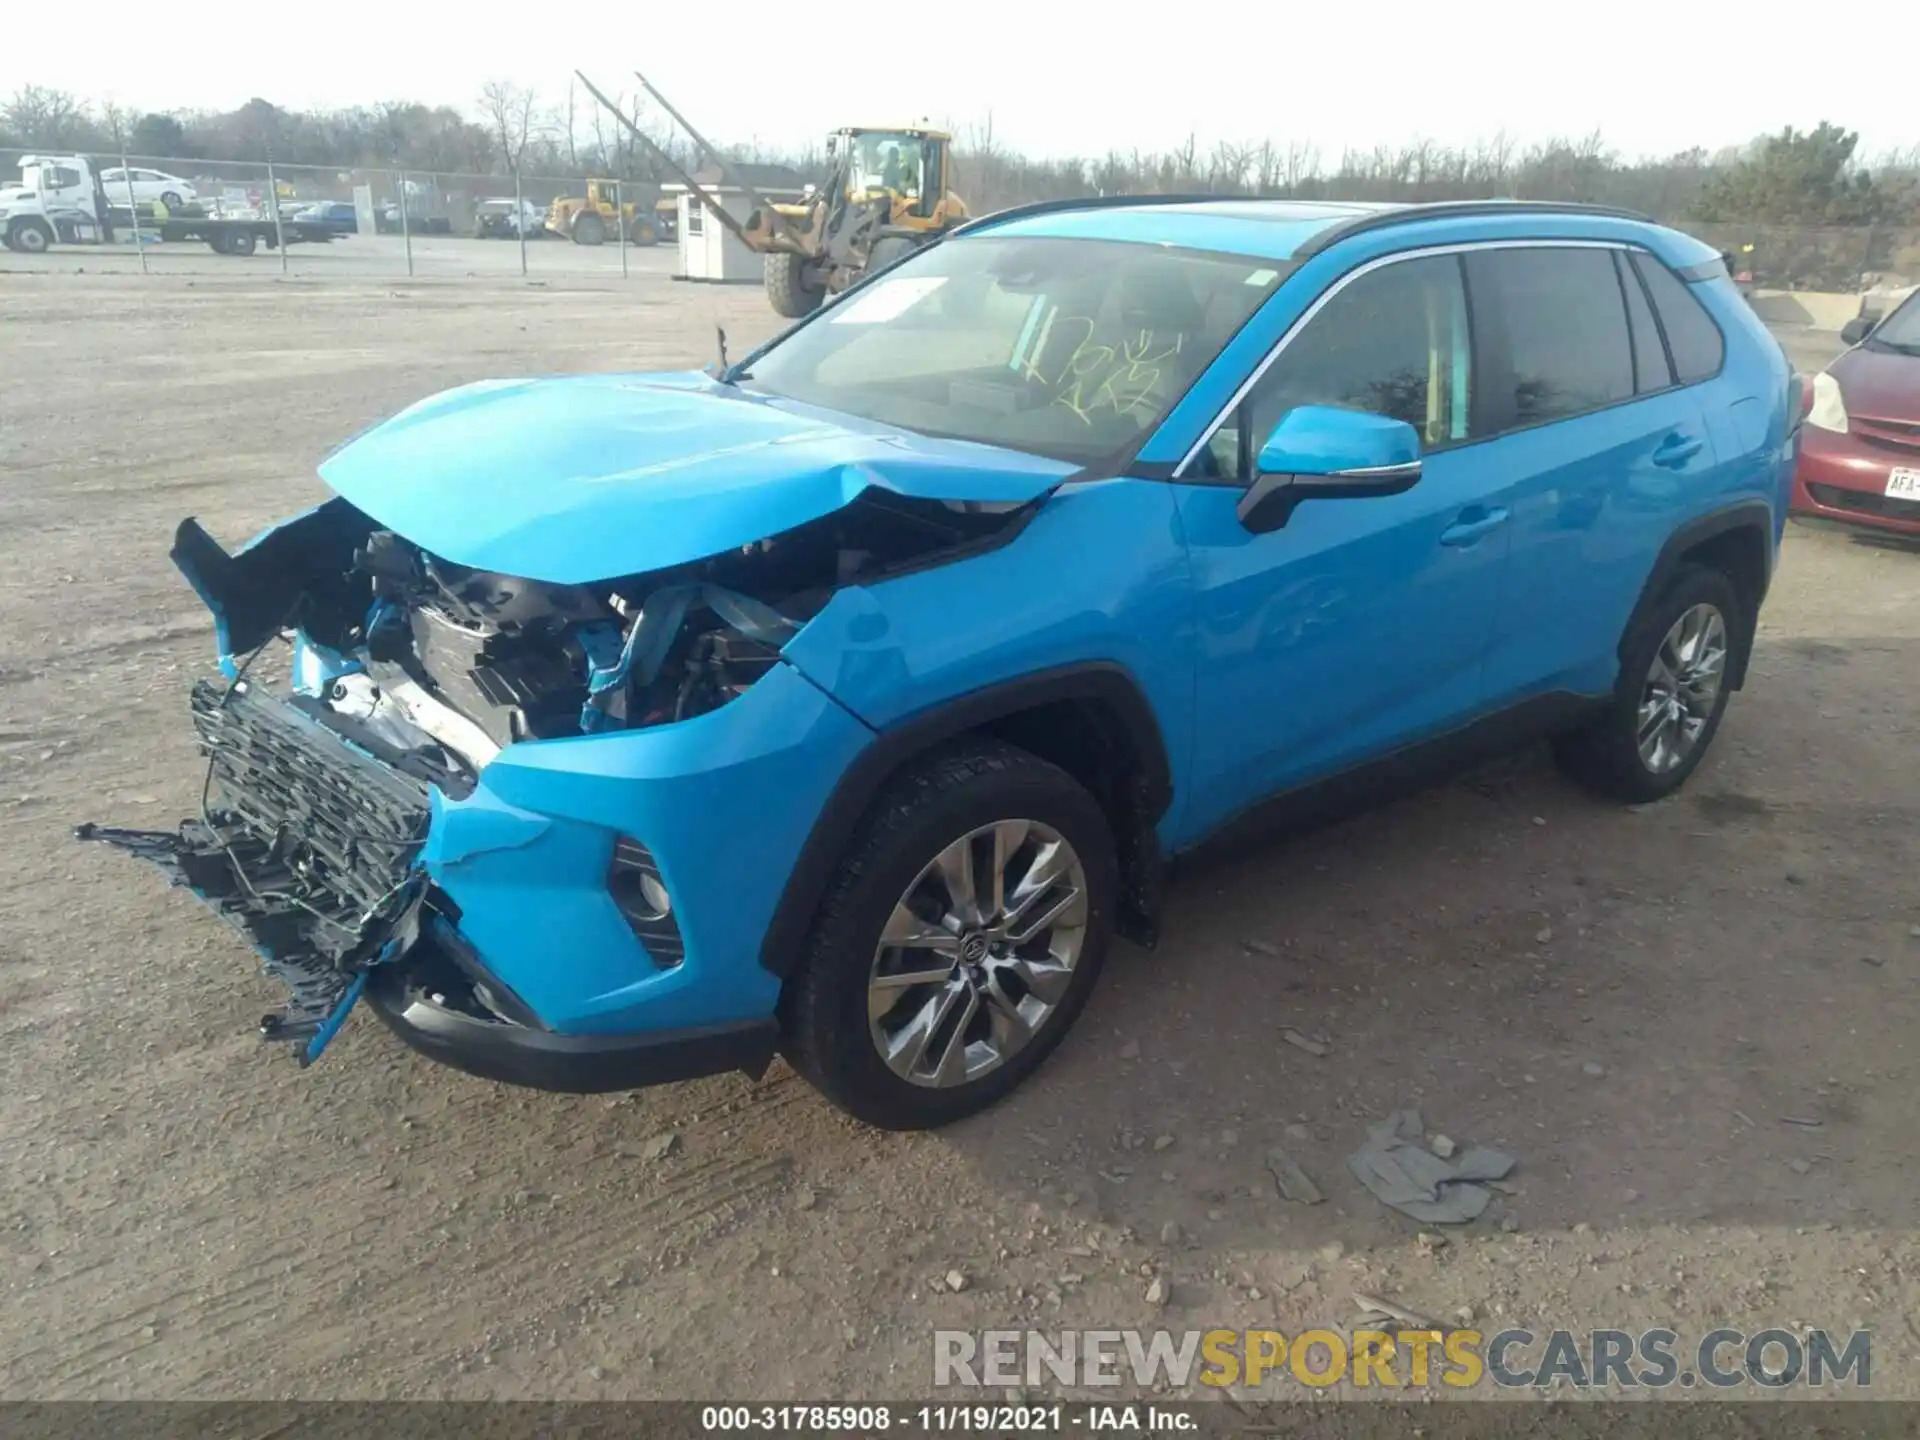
(484, 921)
(405, 1000)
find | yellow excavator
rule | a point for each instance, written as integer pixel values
(886, 193)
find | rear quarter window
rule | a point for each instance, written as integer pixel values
(1694, 341)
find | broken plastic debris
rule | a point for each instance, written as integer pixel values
(1400, 1171)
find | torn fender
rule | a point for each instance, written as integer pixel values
(572, 479)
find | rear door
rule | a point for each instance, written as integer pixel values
(1604, 449)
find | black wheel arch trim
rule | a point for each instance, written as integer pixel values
(1752, 514)
(1102, 682)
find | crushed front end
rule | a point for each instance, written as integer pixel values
(541, 828)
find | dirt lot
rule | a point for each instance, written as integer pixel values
(1630, 1002)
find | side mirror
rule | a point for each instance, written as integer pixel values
(1856, 330)
(1318, 452)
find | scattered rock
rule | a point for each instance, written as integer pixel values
(1442, 1146)
(1464, 1314)
(956, 1281)
(804, 1198)
(1130, 1050)
(1593, 1069)
(1873, 960)
(1544, 934)
(1299, 1132)
(1260, 947)
(1913, 932)
(1799, 1167)
(1583, 1228)
(1158, 1292)
(1331, 1251)
(1163, 1142)
(1430, 1240)
(1793, 877)
(1539, 819)
(1303, 1042)
(1292, 1180)
(1508, 1224)
(660, 1146)
(1229, 1138)
(1170, 1233)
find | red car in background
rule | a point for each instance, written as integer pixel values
(1860, 446)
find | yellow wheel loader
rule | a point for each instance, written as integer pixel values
(885, 194)
(595, 220)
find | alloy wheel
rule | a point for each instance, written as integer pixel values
(978, 953)
(1682, 688)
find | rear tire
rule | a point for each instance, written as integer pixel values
(886, 251)
(589, 229)
(242, 242)
(787, 288)
(1009, 997)
(1655, 730)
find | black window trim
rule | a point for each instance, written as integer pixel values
(1459, 248)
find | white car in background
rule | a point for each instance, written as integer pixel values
(148, 185)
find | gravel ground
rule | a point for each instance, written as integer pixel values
(1630, 1002)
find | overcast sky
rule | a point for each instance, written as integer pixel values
(1651, 75)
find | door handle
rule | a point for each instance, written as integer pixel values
(1676, 450)
(1474, 521)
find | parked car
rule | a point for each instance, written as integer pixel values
(339, 216)
(421, 219)
(148, 185)
(1860, 461)
(507, 218)
(849, 701)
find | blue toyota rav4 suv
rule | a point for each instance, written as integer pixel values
(847, 701)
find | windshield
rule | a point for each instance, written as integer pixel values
(1901, 329)
(1073, 349)
(884, 161)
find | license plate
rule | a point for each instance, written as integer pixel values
(1903, 484)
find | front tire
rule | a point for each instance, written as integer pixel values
(589, 229)
(1673, 691)
(30, 237)
(788, 290)
(959, 941)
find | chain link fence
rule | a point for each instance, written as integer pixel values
(159, 215)
(328, 220)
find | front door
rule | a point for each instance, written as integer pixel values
(1362, 624)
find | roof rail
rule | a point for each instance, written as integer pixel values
(1085, 202)
(1446, 209)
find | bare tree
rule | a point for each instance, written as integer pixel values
(40, 115)
(508, 109)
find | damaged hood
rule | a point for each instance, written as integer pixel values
(582, 478)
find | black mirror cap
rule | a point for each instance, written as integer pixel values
(1856, 330)
(1270, 501)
